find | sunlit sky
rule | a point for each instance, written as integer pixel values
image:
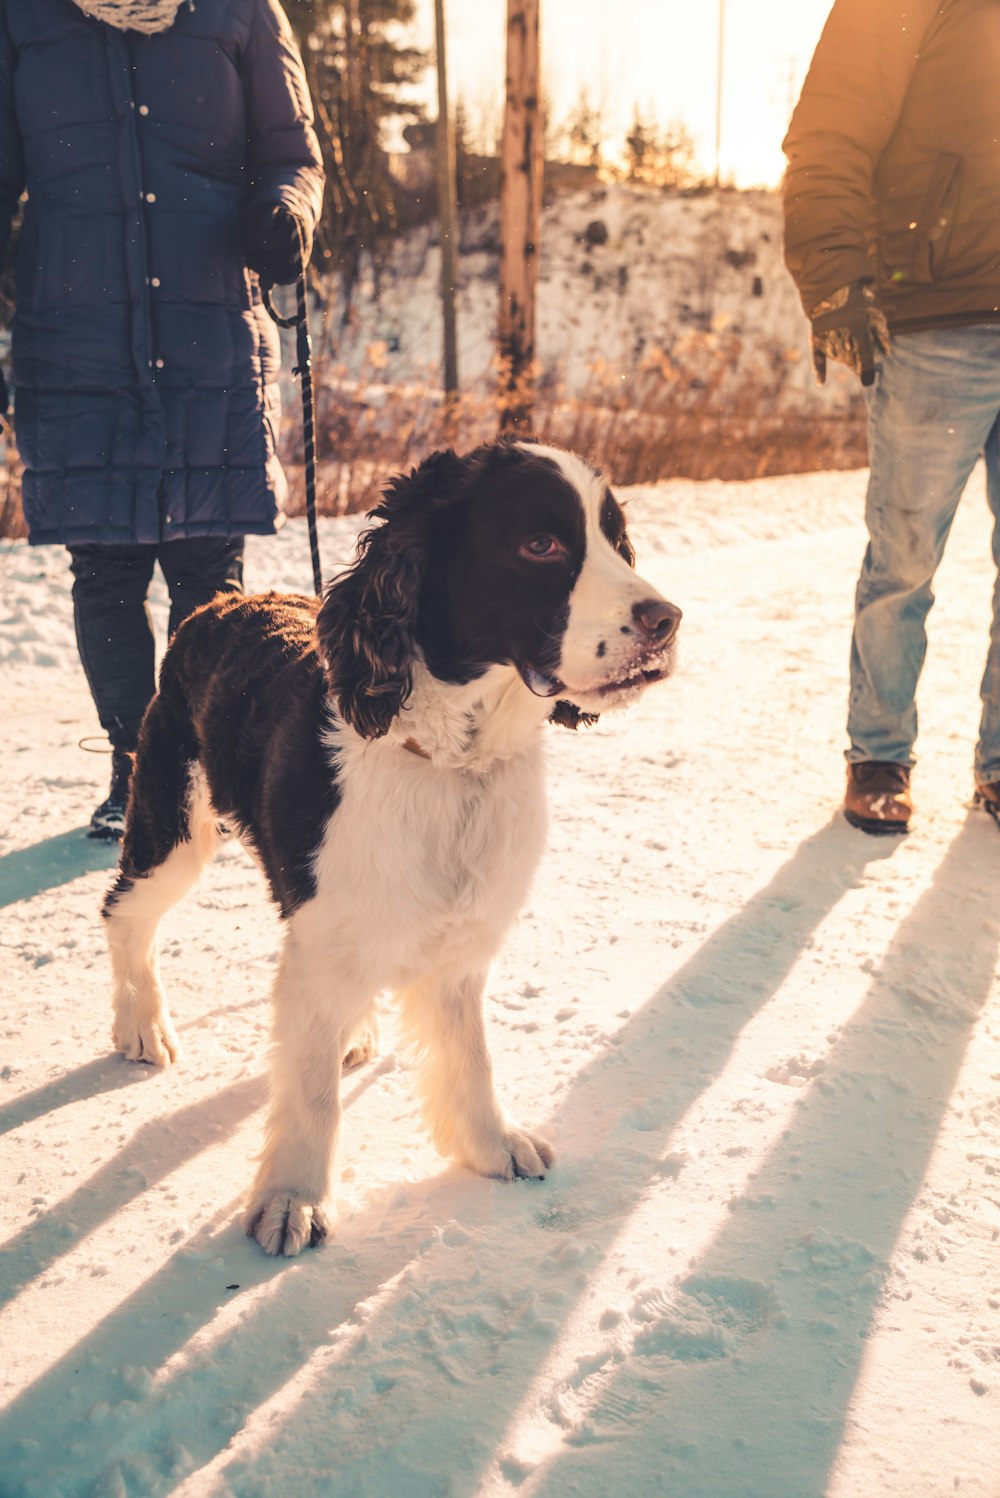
(660, 54)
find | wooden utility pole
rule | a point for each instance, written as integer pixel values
(447, 211)
(520, 215)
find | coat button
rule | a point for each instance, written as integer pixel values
(151, 197)
(155, 281)
(159, 363)
(143, 108)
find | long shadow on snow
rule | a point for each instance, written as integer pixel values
(155, 1150)
(208, 1403)
(815, 1252)
(105, 1074)
(52, 862)
(98, 1415)
(109, 1073)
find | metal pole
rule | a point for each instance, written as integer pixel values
(447, 210)
(718, 93)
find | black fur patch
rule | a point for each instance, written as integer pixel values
(613, 526)
(242, 691)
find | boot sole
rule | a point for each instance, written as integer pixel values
(875, 826)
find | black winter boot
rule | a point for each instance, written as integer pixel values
(108, 822)
(988, 797)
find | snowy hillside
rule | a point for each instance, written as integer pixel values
(628, 274)
(765, 1046)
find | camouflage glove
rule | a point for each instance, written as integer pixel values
(849, 326)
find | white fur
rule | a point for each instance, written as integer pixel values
(421, 871)
(142, 1026)
(602, 601)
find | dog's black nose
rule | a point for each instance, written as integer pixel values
(657, 620)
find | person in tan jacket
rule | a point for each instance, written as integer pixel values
(892, 233)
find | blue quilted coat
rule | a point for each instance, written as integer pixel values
(144, 364)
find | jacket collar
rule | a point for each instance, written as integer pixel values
(132, 15)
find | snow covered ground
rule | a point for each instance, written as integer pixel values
(766, 1047)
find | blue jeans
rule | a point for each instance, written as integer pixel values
(934, 407)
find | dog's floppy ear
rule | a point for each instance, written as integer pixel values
(366, 627)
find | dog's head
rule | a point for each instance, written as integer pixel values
(514, 555)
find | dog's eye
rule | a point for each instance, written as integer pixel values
(543, 549)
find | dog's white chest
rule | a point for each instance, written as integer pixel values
(418, 863)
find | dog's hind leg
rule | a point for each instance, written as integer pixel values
(444, 1014)
(170, 833)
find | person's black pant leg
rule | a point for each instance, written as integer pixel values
(113, 627)
(197, 569)
(114, 633)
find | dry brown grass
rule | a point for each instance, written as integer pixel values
(699, 415)
(11, 518)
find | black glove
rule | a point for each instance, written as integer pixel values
(3, 395)
(849, 326)
(271, 238)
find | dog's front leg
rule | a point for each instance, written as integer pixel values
(290, 1203)
(445, 1014)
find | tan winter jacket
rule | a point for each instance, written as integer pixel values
(894, 160)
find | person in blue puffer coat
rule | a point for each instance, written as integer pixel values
(169, 161)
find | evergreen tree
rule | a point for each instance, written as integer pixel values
(675, 156)
(661, 157)
(640, 144)
(358, 72)
(585, 130)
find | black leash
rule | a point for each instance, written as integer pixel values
(303, 368)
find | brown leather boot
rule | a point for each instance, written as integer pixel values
(988, 797)
(878, 797)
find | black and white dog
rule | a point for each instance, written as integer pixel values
(382, 757)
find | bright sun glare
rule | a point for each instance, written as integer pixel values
(661, 55)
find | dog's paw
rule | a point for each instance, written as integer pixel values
(514, 1154)
(285, 1224)
(152, 1040)
(363, 1048)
